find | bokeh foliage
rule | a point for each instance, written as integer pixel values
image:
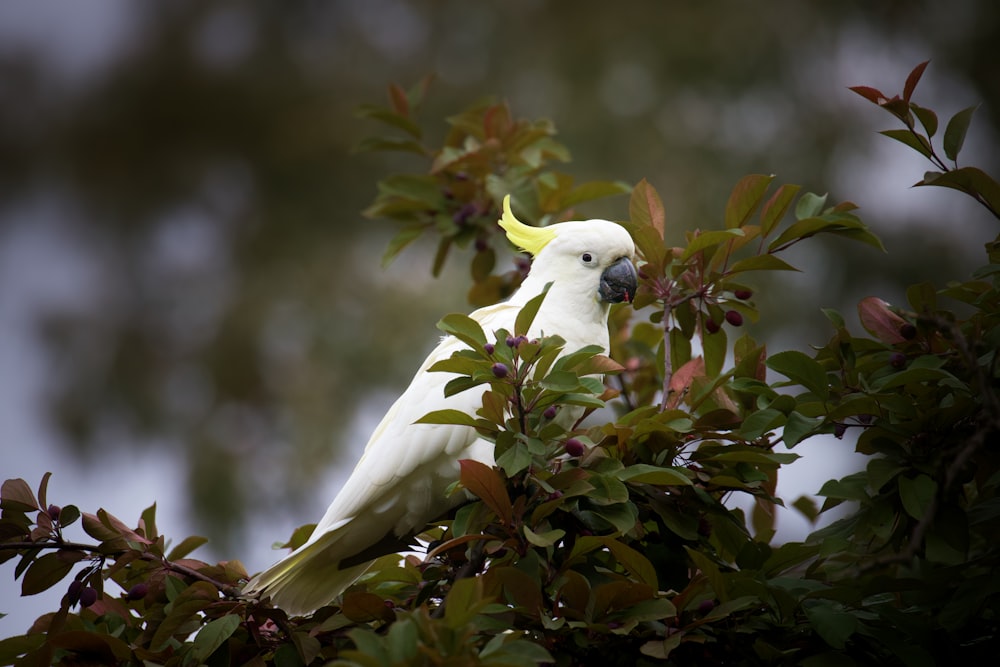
(612, 541)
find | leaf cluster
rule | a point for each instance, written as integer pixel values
(456, 197)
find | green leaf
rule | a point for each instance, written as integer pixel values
(187, 545)
(13, 647)
(802, 369)
(449, 416)
(708, 239)
(48, 570)
(798, 427)
(546, 539)
(969, 180)
(911, 138)
(765, 262)
(760, 422)
(927, 118)
(213, 635)
(465, 329)
(809, 205)
(526, 315)
(634, 562)
(485, 483)
(917, 494)
(833, 625)
(954, 132)
(715, 347)
(644, 473)
(183, 608)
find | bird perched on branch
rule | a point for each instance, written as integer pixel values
(400, 482)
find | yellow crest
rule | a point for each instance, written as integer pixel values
(532, 239)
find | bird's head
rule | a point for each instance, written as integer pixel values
(594, 256)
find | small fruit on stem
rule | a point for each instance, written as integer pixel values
(574, 447)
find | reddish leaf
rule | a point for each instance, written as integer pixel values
(43, 490)
(745, 198)
(880, 321)
(16, 495)
(485, 482)
(912, 79)
(646, 208)
(873, 95)
(681, 380)
(776, 207)
(362, 607)
(398, 99)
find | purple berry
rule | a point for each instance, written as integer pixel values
(511, 341)
(897, 359)
(489, 348)
(138, 592)
(734, 318)
(54, 511)
(743, 294)
(550, 412)
(908, 331)
(706, 606)
(500, 370)
(574, 447)
(711, 326)
(88, 596)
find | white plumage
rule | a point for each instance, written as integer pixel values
(400, 482)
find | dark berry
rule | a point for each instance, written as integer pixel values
(734, 318)
(550, 412)
(500, 370)
(711, 326)
(138, 592)
(489, 348)
(897, 359)
(574, 447)
(706, 606)
(511, 341)
(54, 511)
(839, 429)
(908, 331)
(743, 294)
(704, 527)
(88, 596)
(481, 245)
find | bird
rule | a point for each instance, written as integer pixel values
(400, 482)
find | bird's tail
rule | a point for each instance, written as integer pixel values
(305, 580)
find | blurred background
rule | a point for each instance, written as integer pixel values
(192, 309)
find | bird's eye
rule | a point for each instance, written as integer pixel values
(587, 258)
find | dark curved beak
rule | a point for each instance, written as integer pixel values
(618, 282)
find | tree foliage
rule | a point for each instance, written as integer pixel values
(612, 540)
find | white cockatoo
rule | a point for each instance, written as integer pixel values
(401, 480)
